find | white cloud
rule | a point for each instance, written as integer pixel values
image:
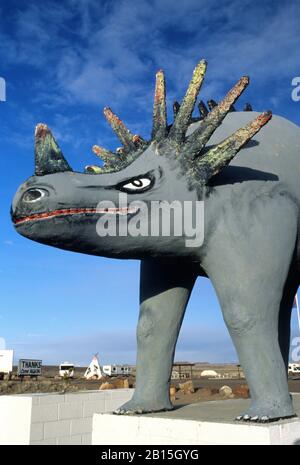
(87, 54)
(116, 44)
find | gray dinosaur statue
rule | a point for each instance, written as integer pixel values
(250, 250)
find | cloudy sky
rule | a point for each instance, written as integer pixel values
(64, 61)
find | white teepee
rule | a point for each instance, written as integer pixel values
(93, 370)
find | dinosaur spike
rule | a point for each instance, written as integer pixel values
(138, 140)
(247, 107)
(110, 159)
(227, 103)
(176, 107)
(178, 130)
(159, 129)
(202, 109)
(125, 136)
(104, 154)
(48, 156)
(216, 158)
(93, 169)
(197, 140)
(211, 104)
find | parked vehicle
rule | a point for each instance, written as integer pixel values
(116, 370)
(66, 370)
(294, 368)
(6, 362)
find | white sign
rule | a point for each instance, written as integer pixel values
(30, 367)
(6, 361)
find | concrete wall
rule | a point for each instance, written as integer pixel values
(55, 418)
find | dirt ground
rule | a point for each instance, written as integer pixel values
(216, 384)
(205, 389)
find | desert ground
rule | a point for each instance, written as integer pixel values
(185, 391)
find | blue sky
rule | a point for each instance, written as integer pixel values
(64, 61)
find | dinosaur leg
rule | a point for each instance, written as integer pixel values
(164, 293)
(249, 271)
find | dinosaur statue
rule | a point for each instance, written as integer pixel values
(250, 250)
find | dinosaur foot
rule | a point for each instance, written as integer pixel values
(135, 407)
(264, 414)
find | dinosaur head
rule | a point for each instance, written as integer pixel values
(119, 209)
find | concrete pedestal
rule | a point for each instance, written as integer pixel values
(55, 419)
(196, 424)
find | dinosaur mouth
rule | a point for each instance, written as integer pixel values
(75, 211)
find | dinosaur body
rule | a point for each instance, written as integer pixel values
(250, 249)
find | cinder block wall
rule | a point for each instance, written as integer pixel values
(55, 419)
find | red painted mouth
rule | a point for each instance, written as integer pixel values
(74, 211)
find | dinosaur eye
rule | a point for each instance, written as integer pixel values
(137, 184)
(33, 195)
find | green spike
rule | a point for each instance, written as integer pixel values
(159, 129)
(198, 139)
(221, 155)
(179, 128)
(119, 128)
(48, 156)
(106, 156)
